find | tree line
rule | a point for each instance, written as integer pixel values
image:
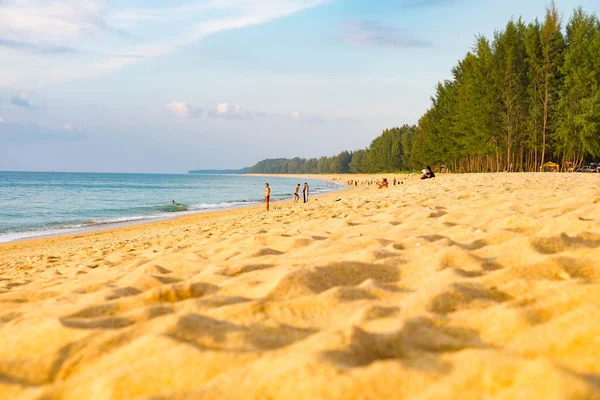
(386, 153)
(528, 96)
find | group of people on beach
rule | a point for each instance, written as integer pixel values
(369, 182)
(427, 173)
(305, 192)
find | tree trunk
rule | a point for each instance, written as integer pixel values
(521, 159)
(545, 122)
(497, 159)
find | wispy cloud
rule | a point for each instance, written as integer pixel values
(36, 132)
(22, 100)
(40, 48)
(40, 19)
(102, 36)
(372, 33)
(71, 127)
(426, 3)
(347, 120)
(308, 117)
(316, 118)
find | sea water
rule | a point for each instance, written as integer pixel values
(47, 203)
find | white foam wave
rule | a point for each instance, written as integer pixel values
(103, 222)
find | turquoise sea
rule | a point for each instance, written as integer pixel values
(47, 203)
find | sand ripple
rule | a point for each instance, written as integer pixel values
(468, 286)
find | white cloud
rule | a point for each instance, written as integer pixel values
(22, 100)
(372, 33)
(42, 20)
(90, 37)
(317, 118)
(227, 111)
(183, 110)
(32, 132)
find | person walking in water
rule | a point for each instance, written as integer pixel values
(267, 195)
(296, 195)
(305, 192)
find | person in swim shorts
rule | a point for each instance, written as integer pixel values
(267, 195)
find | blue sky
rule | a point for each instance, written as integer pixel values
(157, 86)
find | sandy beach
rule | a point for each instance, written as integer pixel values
(465, 286)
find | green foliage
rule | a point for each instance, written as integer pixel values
(358, 164)
(579, 130)
(387, 153)
(529, 96)
(324, 165)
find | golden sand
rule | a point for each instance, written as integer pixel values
(466, 286)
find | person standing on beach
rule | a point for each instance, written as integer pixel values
(305, 192)
(267, 195)
(296, 195)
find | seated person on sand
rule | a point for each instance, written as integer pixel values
(427, 173)
(383, 183)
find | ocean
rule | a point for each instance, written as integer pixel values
(47, 203)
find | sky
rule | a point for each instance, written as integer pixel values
(169, 86)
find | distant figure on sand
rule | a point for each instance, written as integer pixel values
(267, 195)
(305, 192)
(296, 195)
(383, 183)
(427, 173)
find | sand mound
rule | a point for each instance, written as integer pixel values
(466, 286)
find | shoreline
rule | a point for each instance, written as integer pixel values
(116, 225)
(109, 226)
